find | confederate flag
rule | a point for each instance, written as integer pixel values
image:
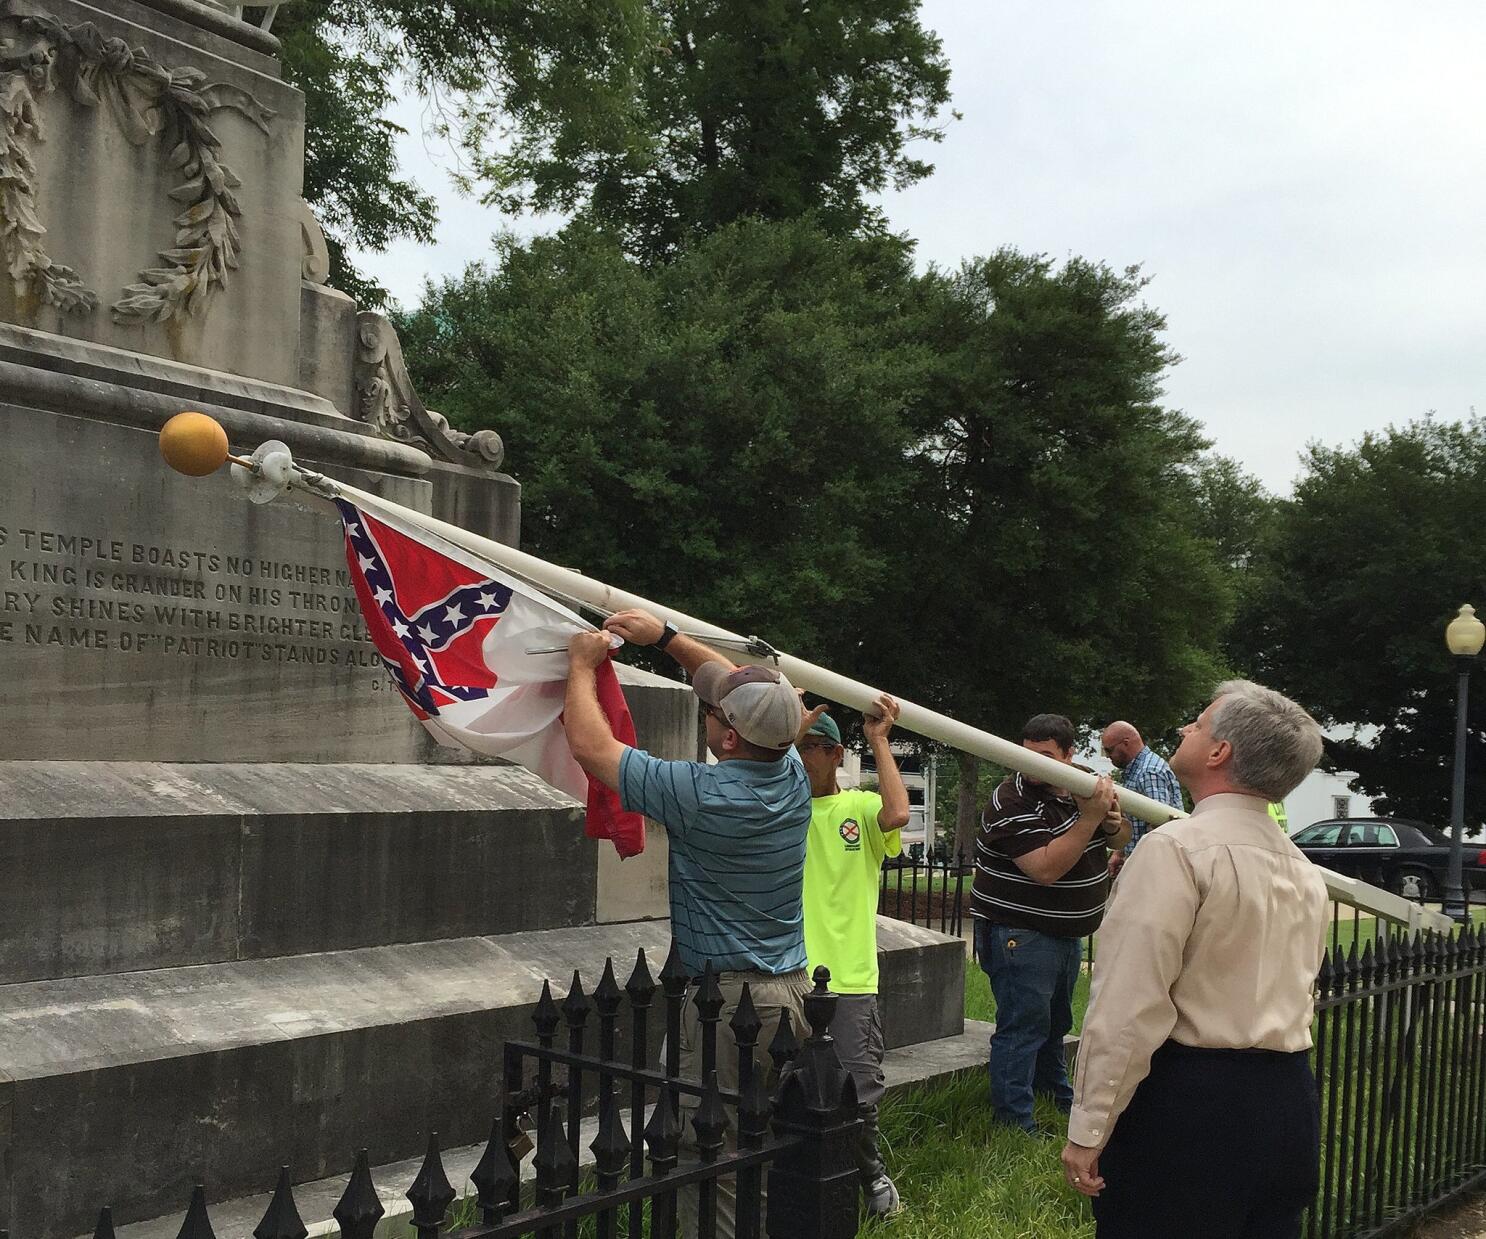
(453, 632)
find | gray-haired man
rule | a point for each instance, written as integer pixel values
(1195, 1108)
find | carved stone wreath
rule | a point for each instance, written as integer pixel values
(147, 100)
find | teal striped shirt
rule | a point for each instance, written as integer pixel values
(737, 836)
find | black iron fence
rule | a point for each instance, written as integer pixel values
(933, 892)
(791, 1154)
(1400, 1059)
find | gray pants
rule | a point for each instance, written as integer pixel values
(857, 1031)
(772, 996)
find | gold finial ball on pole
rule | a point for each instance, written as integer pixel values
(193, 444)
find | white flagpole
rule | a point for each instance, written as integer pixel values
(849, 692)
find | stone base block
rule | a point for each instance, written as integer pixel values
(920, 983)
(119, 866)
(127, 1089)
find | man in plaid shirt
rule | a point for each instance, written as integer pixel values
(1141, 770)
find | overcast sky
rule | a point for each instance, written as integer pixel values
(1305, 183)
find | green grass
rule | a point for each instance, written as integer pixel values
(961, 1175)
(1362, 929)
(981, 1005)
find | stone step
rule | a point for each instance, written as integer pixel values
(111, 867)
(126, 1089)
(905, 1067)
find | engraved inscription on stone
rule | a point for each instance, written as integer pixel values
(150, 617)
(71, 589)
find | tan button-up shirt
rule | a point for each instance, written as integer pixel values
(1214, 938)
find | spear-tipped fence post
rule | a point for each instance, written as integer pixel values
(610, 1153)
(641, 990)
(746, 1026)
(197, 1225)
(710, 1125)
(431, 1193)
(663, 1138)
(545, 1018)
(813, 1194)
(753, 1125)
(554, 1163)
(783, 1047)
(708, 1002)
(576, 1008)
(281, 1220)
(360, 1208)
(674, 982)
(494, 1176)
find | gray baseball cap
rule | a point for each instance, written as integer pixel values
(758, 702)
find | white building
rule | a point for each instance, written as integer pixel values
(1326, 795)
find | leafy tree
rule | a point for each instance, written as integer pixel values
(1236, 514)
(577, 60)
(1051, 516)
(724, 432)
(774, 110)
(961, 488)
(1380, 545)
(664, 119)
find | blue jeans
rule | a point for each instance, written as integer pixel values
(1032, 977)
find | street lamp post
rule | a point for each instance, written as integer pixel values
(1464, 637)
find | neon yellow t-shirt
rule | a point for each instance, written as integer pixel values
(843, 856)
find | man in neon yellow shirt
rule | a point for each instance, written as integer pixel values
(851, 834)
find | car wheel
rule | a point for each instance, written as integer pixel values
(1415, 884)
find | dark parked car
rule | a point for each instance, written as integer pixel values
(1408, 858)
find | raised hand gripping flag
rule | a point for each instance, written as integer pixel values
(453, 632)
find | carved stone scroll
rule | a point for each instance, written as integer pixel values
(315, 262)
(387, 401)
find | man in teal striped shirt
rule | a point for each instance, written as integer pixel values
(737, 834)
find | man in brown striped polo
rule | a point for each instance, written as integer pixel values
(1041, 882)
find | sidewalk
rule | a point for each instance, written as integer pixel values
(1467, 1221)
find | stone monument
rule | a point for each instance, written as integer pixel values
(248, 915)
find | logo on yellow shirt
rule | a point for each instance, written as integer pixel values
(852, 833)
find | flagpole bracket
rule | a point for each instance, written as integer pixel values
(268, 474)
(271, 471)
(760, 648)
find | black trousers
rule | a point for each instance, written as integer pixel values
(1216, 1144)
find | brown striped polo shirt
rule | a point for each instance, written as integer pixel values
(1022, 817)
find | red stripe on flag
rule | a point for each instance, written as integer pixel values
(606, 818)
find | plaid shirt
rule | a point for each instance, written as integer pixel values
(1150, 776)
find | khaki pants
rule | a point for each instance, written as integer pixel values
(772, 996)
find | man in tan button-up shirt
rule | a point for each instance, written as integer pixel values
(1195, 1111)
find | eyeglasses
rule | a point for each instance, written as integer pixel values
(807, 745)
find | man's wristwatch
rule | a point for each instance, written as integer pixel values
(668, 631)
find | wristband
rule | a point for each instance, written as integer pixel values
(668, 631)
